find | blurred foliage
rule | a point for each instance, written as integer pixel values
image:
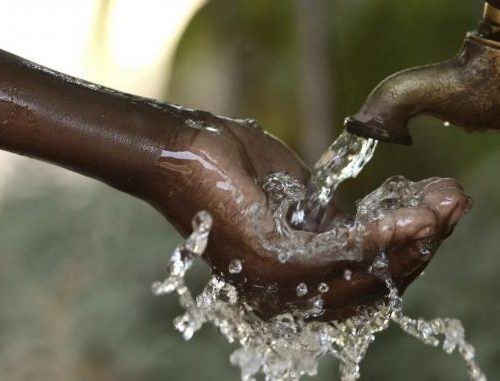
(76, 265)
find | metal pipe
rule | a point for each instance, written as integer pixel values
(464, 90)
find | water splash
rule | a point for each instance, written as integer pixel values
(235, 267)
(284, 191)
(289, 346)
(447, 332)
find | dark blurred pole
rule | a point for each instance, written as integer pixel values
(315, 87)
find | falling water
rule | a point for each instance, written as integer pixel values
(287, 347)
(345, 159)
(290, 345)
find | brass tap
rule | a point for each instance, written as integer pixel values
(464, 90)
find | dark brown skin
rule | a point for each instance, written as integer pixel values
(163, 155)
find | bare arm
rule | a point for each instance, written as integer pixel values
(95, 131)
(182, 161)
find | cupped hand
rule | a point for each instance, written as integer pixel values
(218, 164)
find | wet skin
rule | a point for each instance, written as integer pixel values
(225, 171)
(182, 161)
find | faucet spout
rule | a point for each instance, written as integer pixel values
(464, 91)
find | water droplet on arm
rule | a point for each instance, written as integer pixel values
(301, 290)
(425, 248)
(347, 275)
(380, 262)
(323, 288)
(235, 267)
(203, 126)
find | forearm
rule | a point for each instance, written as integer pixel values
(113, 137)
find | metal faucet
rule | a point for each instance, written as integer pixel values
(464, 91)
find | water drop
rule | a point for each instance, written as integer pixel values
(283, 257)
(204, 126)
(425, 248)
(202, 221)
(301, 290)
(319, 303)
(235, 267)
(251, 123)
(467, 351)
(317, 308)
(415, 201)
(425, 252)
(347, 275)
(297, 217)
(380, 262)
(323, 288)
(159, 289)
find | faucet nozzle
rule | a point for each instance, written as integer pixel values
(464, 91)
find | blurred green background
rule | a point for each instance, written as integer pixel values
(77, 262)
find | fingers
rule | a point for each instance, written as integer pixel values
(448, 202)
(442, 204)
(405, 220)
(402, 225)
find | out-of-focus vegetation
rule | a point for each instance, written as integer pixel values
(76, 265)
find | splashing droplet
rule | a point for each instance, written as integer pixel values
(204, 126)
(301, 290)
(323, 288)
(347, 275)
(235, 267)
(283, 257)
(380, 262)
(424, 249)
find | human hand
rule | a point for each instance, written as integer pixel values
(220, 165)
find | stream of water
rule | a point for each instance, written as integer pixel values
(289, 346)
(343, 160)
